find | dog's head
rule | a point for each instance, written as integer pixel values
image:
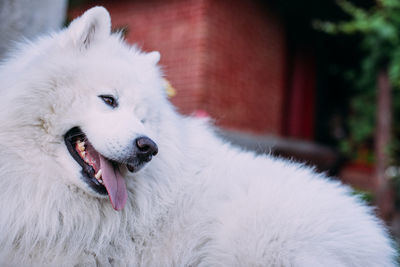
(99, 104)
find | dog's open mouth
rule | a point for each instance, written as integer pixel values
(101, 174)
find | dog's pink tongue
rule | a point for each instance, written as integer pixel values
(114, 183)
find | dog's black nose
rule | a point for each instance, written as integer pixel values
(146, 148)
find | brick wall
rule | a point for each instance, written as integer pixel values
(224, 57)
(244, 66)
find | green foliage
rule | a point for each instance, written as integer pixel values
(379, 29)
(366, 196)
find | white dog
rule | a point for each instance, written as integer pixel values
(98, 169)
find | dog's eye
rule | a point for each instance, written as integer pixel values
(109, 100)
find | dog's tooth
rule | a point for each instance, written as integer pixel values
(81, 145)
(98, 175)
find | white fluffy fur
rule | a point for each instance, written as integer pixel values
(199, 202)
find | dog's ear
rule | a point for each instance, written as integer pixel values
(89, 28)
(153, 57)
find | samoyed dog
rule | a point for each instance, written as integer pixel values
(98, 169)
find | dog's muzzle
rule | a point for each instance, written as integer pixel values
(144, 150)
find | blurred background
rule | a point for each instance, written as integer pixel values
(314, 81)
